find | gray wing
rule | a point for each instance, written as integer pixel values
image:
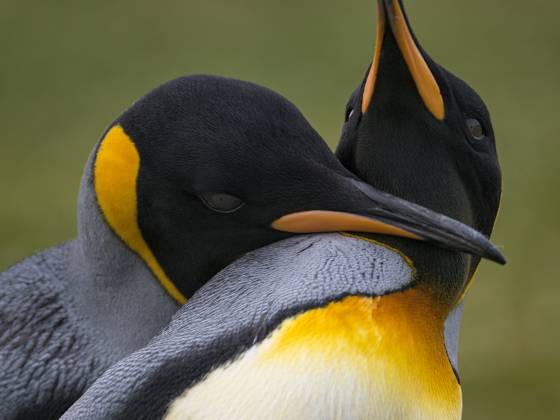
(46, 359)
(239, 307)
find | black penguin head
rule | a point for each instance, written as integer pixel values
(416, 131)
(204, 169)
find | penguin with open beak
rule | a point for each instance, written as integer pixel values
(337, 326)
(195, 174)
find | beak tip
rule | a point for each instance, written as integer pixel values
(496, 256)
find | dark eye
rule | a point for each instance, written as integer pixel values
(475, 128)
(349, 113)
(221, 202)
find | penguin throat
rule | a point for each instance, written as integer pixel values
(396, 340)
(367, 357)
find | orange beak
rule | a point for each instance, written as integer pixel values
(315, 221)
(391, 13)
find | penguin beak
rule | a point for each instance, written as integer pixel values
(374, 211)
(391, 16)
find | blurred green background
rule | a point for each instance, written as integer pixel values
(68, 68)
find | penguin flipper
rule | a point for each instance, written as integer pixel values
(235, 311)
(46, 360)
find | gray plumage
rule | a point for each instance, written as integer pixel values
(70, 312)
(237, 308)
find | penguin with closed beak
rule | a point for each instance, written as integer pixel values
(415, 130)
(195, 174)
(338, 325)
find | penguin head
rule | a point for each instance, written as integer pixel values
(204, 169)
(415, 130)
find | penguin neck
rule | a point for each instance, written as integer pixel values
(446, 275)
(445, 272)
(116, 289)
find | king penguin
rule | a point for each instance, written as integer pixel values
(195, 174)
(414, 129)
(337, 326)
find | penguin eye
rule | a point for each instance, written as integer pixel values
(475, 128)
(349, 114)
(221, 202)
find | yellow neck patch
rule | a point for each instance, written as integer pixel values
(115, 174)
(360, 358)
(397, 340)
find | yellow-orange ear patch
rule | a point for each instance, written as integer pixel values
(116, 170)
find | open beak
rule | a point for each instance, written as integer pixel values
(377, 212)
(391, 16)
